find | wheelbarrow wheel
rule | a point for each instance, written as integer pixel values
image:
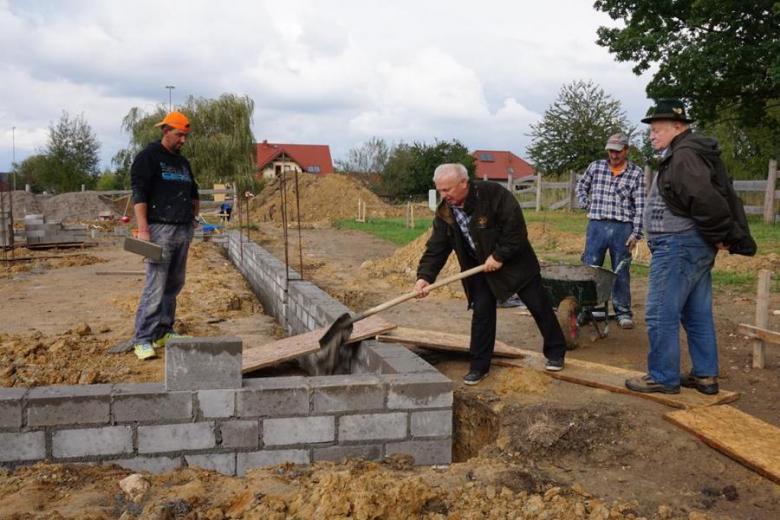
(568, 311)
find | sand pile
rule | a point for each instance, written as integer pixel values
(322, 200)
(78, 207)
(23, 203)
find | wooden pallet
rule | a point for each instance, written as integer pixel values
(442, 341)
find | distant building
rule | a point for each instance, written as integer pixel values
(501, 166)
(273, 158)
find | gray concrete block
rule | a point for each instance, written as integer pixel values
(149, 464)
(426, 390)
(347, 392)
(273, 397)
(372, 427)
(11, 407)
(112, 440)
(22, 446)
(217, 403)
(431, 423)
(265, 458)
(60, 405)
(203, 363)
(149, 402)
(401, 365)
(342, 453)
(299, 430)
(176, 437)
(224, 463)
(240, 434)
(425, 453)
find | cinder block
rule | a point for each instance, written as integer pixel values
(427, 390)
(261, 459)
(348, 392)
(224, 463)
(150, 402)
(342, 453)
(299, 430)
(60, 405)
(22, 446)
(425, 453)
(431, 423)
(273, 397)
(11, 407)
(240, 434)
(113, 440)
(149, 464)
(401, 365)
(372, 427)
(203, 363)
(217, 403)
(176, 437)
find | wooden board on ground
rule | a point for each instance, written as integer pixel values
(759, 333)
(613, 379)
(255, 358)
(742, 437)
(441, 341)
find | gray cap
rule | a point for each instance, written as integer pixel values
(617, 142)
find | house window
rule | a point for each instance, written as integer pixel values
(486, 157)
(510, 170)
(287, 168)
(313, 169)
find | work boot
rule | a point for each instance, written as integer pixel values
(706, 385)
(647, 385)
(474, 377)
(144, 351)
(625, 322)
(169, 335)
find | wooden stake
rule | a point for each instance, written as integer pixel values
(762, 312)
(769, 196)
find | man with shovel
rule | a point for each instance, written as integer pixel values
(483, 223)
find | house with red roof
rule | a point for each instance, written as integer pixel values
(501, 166)
(274, 158)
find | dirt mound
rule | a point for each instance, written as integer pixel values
(78, 207)
(322, 200)
(24, 203)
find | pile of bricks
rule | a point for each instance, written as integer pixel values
(41, 233)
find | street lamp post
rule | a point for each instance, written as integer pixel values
(170, 105)
(13, 160)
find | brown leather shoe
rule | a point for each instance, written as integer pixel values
(706, 385)
(647, 385)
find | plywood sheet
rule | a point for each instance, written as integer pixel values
(441, 341)
(742, 437)
(276, 352)
(613, 379)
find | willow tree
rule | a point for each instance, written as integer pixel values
(220, 147)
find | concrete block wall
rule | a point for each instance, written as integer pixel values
(39, 232)
(6, 222)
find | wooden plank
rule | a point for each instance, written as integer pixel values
(441, 341)
(754, 332)
(255, 358)
(742, 437)
(749, 185)
(613, 379)
(762, 315)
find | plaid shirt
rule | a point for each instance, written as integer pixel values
(609, 197)
(463, 220)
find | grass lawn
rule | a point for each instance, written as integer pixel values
(392, 229)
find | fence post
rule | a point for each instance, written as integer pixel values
(572, 190)
(648, 178)
(762, 313)
(538, 192)
(510, 183)
(769, 196)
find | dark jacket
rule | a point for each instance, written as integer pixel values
(497, 227)
(693, 182)
(164, 181)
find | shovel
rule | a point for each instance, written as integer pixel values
(338, 333)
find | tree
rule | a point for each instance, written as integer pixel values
(72, 156)
(30, 171)
(370, 157)
(575, 128)
(220, 147)
(409, 169)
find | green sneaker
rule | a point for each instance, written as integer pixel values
(169, 335)
(144, 351)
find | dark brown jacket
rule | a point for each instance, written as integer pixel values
(497, 227)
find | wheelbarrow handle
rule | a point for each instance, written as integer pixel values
(414, 294)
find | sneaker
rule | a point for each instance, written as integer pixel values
(474, 377)
(144, 351)
(169, 335)
(554, 365)
(706, 385)
(625, 322)
(647, 385)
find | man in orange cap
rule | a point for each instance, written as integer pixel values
(166, 205)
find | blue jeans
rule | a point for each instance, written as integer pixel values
(610, 235)
(680, 291)
(164, 281)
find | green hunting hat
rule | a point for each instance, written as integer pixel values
(667, 110)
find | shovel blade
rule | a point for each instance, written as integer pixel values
(337, 335)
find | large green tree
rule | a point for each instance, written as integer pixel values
(575, 128)
(72, 155)
(409, 170)
(30, 172)
(369, 157)
(220, 146)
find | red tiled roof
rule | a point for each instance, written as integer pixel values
(305, 155)
(497, 169)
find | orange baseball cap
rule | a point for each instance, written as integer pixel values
(176, 120)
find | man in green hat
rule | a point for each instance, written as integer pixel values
(691, 213)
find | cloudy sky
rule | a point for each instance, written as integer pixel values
(328, 72)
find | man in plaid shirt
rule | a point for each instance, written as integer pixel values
(613, 191)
